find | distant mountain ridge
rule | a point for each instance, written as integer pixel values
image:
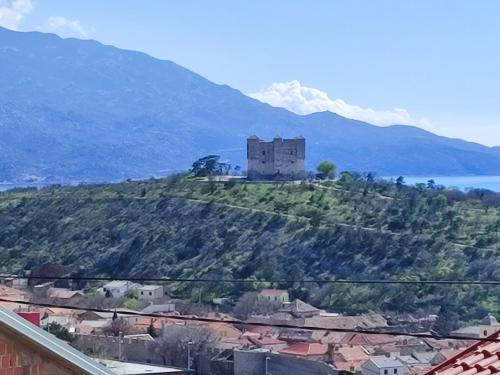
(77, 110)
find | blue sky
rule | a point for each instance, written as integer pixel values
(436, 62)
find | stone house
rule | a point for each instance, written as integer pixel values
(488, 326)
(118, 288)
(151, 293)
(274, 295)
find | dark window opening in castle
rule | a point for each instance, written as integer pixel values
(281, 159)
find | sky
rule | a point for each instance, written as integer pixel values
(430, 63)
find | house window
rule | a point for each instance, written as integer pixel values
(150, 293)
(386, 372)
(263, 152)
(485, 333)
(142, 293)
(395, 370)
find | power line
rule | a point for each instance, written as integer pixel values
(239, 322)
(248, 281)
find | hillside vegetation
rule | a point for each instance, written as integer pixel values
(352, 229)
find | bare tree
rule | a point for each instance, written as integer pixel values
(118, 325)
(172, 345)
(250, 304)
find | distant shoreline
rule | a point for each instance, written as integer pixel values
(460, 182)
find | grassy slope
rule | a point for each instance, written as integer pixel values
(181, 228)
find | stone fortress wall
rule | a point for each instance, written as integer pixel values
(281, 159)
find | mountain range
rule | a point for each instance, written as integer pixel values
(79, 111)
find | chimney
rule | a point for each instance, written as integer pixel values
(31, 316)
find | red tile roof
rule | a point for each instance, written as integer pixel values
(305, 349)
(482, 358)
(260, 330)
(364, 339)
(356, 353)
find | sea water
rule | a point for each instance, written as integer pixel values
(463, 183)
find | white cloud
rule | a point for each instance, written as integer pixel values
(12, 12)
(65, 27)
(304, 100)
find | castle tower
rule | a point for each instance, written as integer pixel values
(281, 159)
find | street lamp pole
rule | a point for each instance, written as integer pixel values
(267, 366)
(120, 335)
(189, 354)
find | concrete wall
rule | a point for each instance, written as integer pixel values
(133, 350)
(154, 295)
(254, 363)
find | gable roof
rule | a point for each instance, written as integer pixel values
(383, 362)
(305, 349)
(13, 324)
(354, 338)
(63, 293)
(490, 320)
(6, 291)
(356, 353)
(482, 358)
(154, 309)
(298, 306)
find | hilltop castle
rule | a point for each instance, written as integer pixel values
(281, 159)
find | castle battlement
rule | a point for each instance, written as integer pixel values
(279, 159)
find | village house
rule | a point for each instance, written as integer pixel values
(67, 318)
(13, 294)
(165, 308)
(274, 295)
(384, 366)
(224, 331)
(63, 294)
(488, 326)
(267, 342)
(349, 358)
(299, 309)
(118, 288)
(311, 350)
(13, 281)
(151, 293)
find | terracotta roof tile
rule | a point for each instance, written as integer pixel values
(305, 349)
(355, 353)
(363, 339)
(482, 358)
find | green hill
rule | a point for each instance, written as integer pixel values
(353, 229)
